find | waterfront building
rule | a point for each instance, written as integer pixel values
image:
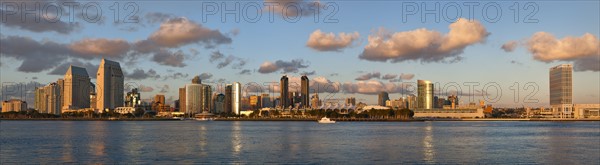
(582, 111)
(561, 90)
(14, 105)
(220, 103)
(76, 89)
(350, 101)
(236, 96)
(197, 97)
(228, 98)
(265, 100)
(182, 99)
(133, 98)
(383, 97)
(424, 94)
(110, 85)
(255, 102)
(304, 92)
(284, 93)
(48, 99)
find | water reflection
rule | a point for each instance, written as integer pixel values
(236, 138)
(202, 139)
(428, 148)
(66, 129)
(98, 134)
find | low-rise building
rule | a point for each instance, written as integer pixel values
(14, 105)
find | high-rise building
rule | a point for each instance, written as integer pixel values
(76, 88)
(350, 101)
(159, 103)
(182, 99)
(14, 105)
(110, 85)
(561, 90)
(48, 99)
(411, 101)
(424, 94)
(206, 98)
(228, 107)
(383, 96)
(315, 101)
(133, 98)
(220, 103)
(236, 96)
(284, 101)
(305, 91)
(255, 102)
(92, 95)
(198, 97)
(265, 100)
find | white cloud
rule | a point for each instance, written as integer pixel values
(321, 41)
(424, 45)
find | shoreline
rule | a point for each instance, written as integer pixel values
(301, 119)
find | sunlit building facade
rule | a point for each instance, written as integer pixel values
(110, 85)
(424, 94)
(561, 90)
(76, 88)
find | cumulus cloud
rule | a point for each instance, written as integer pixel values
(164, 88)
(100, 47)
(205, 76)
(34, 54)
(424, 45)
(407, 76)
(373, 87)
(181, 31)
(169, 58)
(321, 41)
(157, 17)
(49, 21)
(309, 73)
(509, 46)
(216, 55)
(292, 66)
(143, 88)
(245, 72)
(175, 76)
(139, 74)
(584, 51)
(389, 76)
(368, 76)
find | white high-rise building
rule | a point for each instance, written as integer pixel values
(424, 94)
(76, 89)
(561, 90)
(236, 96)
(198, 97)
(110, 84)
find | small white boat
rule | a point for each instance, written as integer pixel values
(326, 120)
(203, 119)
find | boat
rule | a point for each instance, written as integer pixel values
(326, 120)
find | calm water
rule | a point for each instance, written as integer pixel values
(186, 142)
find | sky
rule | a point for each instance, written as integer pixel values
(497, 51)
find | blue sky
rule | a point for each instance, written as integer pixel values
(255, 44)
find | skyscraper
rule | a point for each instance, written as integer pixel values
(198, 97)
(351, 101)
(48, 99)
(110, 84)
(424, 94)
(182, 99)
(76, 89)
(305, 91)
(133, 98)
(561, 90)
(220, 103)
(383, 96)
(236, 96)
(228, 98)
(283, 90)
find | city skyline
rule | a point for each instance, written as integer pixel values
(353, 57)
